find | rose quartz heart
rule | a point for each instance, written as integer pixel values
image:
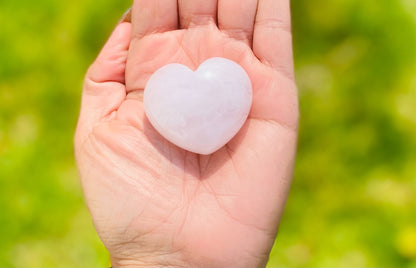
(199, 111)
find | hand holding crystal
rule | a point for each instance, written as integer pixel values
(156, 204)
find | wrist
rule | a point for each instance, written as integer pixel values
(148, 261)
(120, 263)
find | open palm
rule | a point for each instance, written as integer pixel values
(156, 204)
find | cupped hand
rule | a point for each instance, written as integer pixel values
(154, 204)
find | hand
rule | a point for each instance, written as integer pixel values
(154, 204)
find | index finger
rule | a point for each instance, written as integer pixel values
(154, 16)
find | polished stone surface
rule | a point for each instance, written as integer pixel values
(199, 111)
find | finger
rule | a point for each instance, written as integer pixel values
(104, 88)
(197, 12)
(272, 40)
(239, 26)
(111, 62)
(154, 16)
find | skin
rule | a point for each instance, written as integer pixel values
(154, 204)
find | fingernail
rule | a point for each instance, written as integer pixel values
(126, 16)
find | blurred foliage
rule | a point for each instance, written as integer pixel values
(352, 202)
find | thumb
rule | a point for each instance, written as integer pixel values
(104, 88)
(110, 63)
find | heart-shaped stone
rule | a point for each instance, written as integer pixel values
(199, 111)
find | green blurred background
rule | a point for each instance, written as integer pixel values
(352, 202)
